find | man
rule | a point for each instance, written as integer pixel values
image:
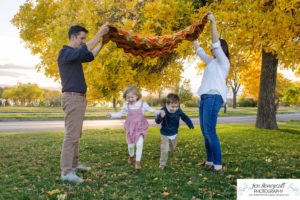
(70, 61)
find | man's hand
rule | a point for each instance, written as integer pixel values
(91, 44)
(104, 29)
(162, 113)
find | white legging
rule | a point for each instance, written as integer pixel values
(139, 148)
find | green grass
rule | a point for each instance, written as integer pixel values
(30, 164)
(32, 113)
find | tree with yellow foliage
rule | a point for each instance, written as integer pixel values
(270, 27)
(44, 23)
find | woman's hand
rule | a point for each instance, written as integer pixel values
(211, 17)
(214, 32)
(196, 45)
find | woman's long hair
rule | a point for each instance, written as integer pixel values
(224, 46)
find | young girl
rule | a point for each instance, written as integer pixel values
(136, 124)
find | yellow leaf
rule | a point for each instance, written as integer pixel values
(268, 160)
(52, 192)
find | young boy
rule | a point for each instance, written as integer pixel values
(169, 119)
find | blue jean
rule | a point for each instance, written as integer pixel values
(209, 108)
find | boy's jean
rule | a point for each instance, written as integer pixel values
(209, 107)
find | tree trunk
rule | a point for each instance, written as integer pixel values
(114, 103)
(266, 109)
(234, 99)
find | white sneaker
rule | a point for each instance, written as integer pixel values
(71, 177)
(81, 168)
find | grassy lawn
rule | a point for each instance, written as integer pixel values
(30, 164)
(100, 113)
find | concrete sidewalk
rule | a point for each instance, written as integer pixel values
(42, 126)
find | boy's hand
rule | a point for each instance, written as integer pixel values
(108, 115)
(162, 113)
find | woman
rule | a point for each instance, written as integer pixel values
(212, 94)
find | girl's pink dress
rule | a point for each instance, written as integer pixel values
(136, 124)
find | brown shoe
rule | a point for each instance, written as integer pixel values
(138, 165)
(130, 159)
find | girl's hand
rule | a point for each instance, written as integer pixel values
(162, 113)
(211, 17)
(108, 115)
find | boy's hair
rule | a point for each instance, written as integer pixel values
(132, 89)
(75, 30)
(172, 98)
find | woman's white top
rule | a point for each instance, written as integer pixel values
(136, 105)
(216, 71)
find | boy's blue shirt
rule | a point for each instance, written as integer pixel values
(170, 122)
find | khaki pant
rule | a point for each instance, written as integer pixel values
(74, 109)
(166, 146)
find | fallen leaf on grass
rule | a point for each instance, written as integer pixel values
(268, 160)
(165, 193)
(230, 176)
(52, 192)
(190, 182)
(61, 196)
(26, 181)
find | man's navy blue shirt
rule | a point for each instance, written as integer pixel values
(70, 68)
(170, 122)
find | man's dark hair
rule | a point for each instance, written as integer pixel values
(75, 30)
(172, 98)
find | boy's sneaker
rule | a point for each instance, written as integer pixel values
(81, 168)
(162, 167)
(71, 177)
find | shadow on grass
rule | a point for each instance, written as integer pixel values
(290, 131)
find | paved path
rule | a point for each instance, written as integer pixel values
(32, 126)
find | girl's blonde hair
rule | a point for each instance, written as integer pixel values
(132, 89)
